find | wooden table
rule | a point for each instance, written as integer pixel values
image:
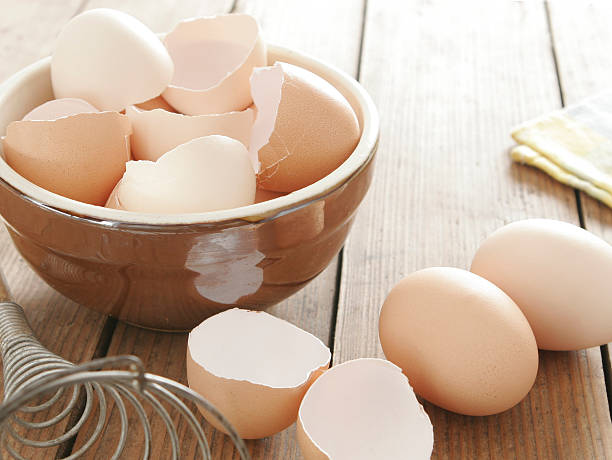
(450, 79)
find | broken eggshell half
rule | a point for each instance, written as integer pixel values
(158, 131)
(360, 410)
(67, 147)
(213, 60)
(304, 127)
(254, 368)
(156, 103)
(205, 174)
(110, 59)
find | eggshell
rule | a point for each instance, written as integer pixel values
(157, 131)
(58, 108)
(464, 344)
(80, 157)
(266, 195)
(254, 368)
(156, 103)
(362, 410)
(204, 174)
(213, 59)
(109, 59)
(304, 127)
(558, 274)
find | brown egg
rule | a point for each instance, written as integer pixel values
(254, 368)
(304, 128)
(461, 341)
(78, 156)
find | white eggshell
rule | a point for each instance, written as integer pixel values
(59, 108)
(558, 274)
(362, 410)
(157, 131)
(254, 368)
(110, 59)
(213, 59)
(205, 174)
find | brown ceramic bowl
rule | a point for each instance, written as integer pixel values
(172, 271)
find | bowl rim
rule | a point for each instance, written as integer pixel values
(257, 212)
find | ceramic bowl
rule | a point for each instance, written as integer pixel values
(170, 272)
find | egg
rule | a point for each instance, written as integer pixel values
(461, 341)
(157, 131)
(67, 147)
(266, 195)
(254, 368)
(110, 59)
(205, 174)
(558, 274)
(213, 59)
(362, 410)
(304, 127)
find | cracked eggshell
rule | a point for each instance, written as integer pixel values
(205, 174)
(560, 277)
(266, 195)
(109, 59)
(213, 59)
(158, 131)
(361, 410)
(156, 103)
(58, 108)
(304, 127)
(254, 368)
(79, 156)
(482, 358)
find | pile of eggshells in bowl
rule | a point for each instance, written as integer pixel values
(193, 122)
(466, 341)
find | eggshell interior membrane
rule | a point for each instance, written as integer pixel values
(254, 368)
(461, 341)
(559, 275)
(304, 137)
(80, 156)
(362, 410)
(157, 131)
(58, 108)
(213, 59)
(204, 174)
(110, 59)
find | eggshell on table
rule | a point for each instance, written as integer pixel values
(157, 131)
(304, 127)
(213, 59)
(254, 368)
(559, 275)
(461, 341)
(362, 410)
(205, 174)
(110, 59)
(80, 156)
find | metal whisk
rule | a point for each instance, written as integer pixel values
(36, 381)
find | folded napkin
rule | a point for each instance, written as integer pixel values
(573, 145)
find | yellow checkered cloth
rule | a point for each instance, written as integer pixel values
(573, 145)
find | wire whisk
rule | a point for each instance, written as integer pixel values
(37, 382)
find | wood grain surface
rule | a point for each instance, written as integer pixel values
(450, 80)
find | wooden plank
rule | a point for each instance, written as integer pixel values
(582, 41)
(27, 33)
(287, 23)
(451, 79)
